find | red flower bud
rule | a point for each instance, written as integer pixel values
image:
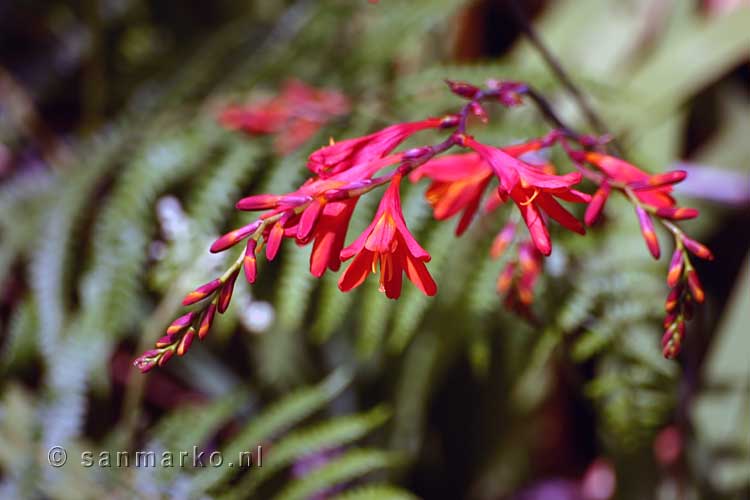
(165, 341)
(180, 323)
(478, 111)
(208, 318)
(185, 342)
(225, 296)
(648, 232)
(144, 363)
(675, 268)
(249, 263)
(233, 237)
(165, 357)
(463, 89)
(258, 202)
(673, 299)
(696, 290)
(449, 121)
(201, 292)
(594, 208)
(677, 213)
(659, 180)
(697, 249)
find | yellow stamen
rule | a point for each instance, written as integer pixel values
(533, 197)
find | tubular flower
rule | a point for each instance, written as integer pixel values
(319, 211)
(533, 190)
(387, 242)
(345, 154)
(652, 190)
(459, 181)
(296, 114)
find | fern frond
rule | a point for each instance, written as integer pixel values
(346, 467)
(375, 492)
(327, 435)
(272, 421)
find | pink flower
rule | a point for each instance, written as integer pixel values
(388, 242)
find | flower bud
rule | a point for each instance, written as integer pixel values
(594, 208)
(208, 318)
(463, 89)
(478, 111)
(697, 249)
(233, 237)
(180, 323)
(201, 292)
(144, 363)
(165, 341)
(675, 268)
(694, 284)
(258, 202)
(249, 262)
(673, 213)
(185, 342)
(225, 296)
(659, 180)
(166, 355)
(673, 299)
(648, 232)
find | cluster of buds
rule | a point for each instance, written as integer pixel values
(481, 175)
(652, 199)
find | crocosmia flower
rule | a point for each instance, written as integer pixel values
(534, 191)
(345, 154)
(295, 115)
(656, 194)
(387, 243)
(459, 182)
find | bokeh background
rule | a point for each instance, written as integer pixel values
(115, 177)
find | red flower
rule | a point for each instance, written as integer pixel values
(324, 220)
(343, 155)
(651, 190)
(533, 190)
(387, 241)
(296, 114)
(459, 181)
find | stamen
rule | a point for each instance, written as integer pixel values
(533, 197)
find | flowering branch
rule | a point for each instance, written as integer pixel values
(319, 211)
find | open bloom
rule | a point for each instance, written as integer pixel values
(311, 213)
(345, 154)
(534, 191)
(459, 182)
(295, 115)
(387, 242)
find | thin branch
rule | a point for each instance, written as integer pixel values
(592, 117)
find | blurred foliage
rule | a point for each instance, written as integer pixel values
(443, 395)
